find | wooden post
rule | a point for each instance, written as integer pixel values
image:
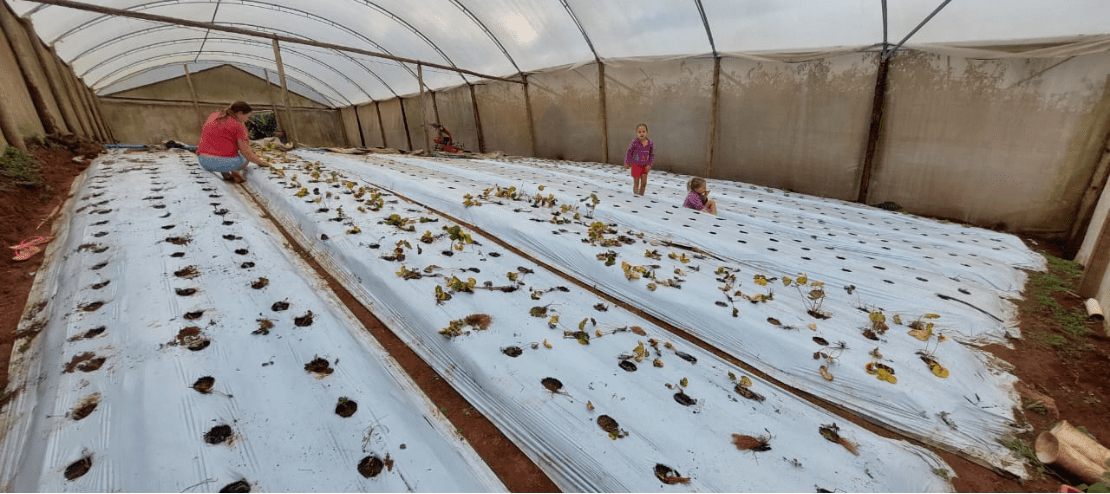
(477, 120)
(1095, 270)
(713, 116)
(193, 93)
(57, 88)
(65, 75)
(528, 112)
(273, 105)
(291, 132)
(602, 111)
(875, 132)
(381, 128)
(423, 111)
(358, 124)
(405, 123)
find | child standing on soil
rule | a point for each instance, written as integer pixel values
(639, 157)
(698, 198)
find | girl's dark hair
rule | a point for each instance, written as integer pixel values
(236, 107)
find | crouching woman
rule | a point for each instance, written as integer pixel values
(224, 147)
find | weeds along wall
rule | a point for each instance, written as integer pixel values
(39, 94)
(1006, 142)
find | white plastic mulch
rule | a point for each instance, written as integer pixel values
(600, 398)
(556, 362)
(162, 278)
(950, 281)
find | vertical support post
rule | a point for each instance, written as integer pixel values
(65, 106)
(65, 75)
(193, 92)
(528, 112)
(477, 120)
(405, 123)
(381, 127)
(358, 123)
(26, 60)
(423, 111)
(713, 116)
(292, 130)
(875, 132)
(603, 113)
(1095, 270)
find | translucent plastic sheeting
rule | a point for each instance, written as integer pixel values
(600, 399)
(931, 283)
(163, 275)
(506, 37)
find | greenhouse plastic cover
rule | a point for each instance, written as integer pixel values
(506, 38)
(546, 382)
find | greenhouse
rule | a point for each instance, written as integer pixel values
(439, 280)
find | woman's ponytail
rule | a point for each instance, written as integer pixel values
(236, 107)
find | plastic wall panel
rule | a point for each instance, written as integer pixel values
(994, 142)
(567, 114)
(797, 126)
(371, 130)
(319, 128)
(34, 69)
(13, 93)
(504, 118)
(674, 98)
(394, 122)
(418, 114)
(350, 126)
(456, 112)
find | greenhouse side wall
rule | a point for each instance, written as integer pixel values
(350, 126)
(797, 126)
(1010, 143)
(371, 129)
(674, 98)
(567, 114)
(456, 112)
(19, 112)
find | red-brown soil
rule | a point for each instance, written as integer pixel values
(1073, 371)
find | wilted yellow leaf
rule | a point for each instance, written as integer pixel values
(802, 280)
(657, 363)
(589, 405)
(939, 370)
(745, 382)
(921, 334)
(546, 344)
(813, 326)
(683, 382)
(825, 373)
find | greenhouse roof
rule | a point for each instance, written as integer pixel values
(111, 48)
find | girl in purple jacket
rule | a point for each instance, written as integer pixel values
(639, 157)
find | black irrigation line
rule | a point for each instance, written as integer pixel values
(882, 429)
